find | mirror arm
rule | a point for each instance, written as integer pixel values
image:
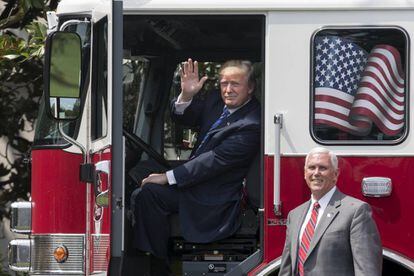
(72, 141)
(71, 22)
(52, 21)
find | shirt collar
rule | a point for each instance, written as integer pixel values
(323, 201)
(232, 110)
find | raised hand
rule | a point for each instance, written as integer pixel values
(191, 84)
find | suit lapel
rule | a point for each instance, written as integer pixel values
(329, 215)
(237, 115)
(296, 232)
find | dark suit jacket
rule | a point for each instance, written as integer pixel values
(210, 183)
(346, 240)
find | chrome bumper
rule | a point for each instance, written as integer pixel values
(19, 255)
(35, 255)
(21, 217)
(19, 249)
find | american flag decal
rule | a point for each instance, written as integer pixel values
(355, 89)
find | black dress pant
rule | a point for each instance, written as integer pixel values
(154, 204)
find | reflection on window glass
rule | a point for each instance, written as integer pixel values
(46, 130)
(65, 65)
(83, 30)
(178, 140)
(99, 120)
(135, 70)
(359, 85)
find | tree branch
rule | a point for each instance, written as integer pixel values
(2, 183)
(12, 20)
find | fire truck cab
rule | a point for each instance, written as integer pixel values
(329, 73)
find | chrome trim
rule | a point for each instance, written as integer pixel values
(100, 247)
(407, 84)
(271, 267)
(277, 204)
(398, 258)
(72, 22)
(43, 261)
(19, 255)
(379, 186)
(102, 197)
(52, 21)
(62, 132)
(21, 217)
(103, 166)
(123, 215)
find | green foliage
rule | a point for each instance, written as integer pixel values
(20, 13)
(22, 35)
(32, 4)
(20, 50)
(132, 80)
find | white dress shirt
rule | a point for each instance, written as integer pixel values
(323, 202)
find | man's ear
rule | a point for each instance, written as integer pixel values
(251, 90)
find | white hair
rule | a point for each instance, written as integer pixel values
(332, 156)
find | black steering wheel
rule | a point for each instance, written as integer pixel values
(139, 143)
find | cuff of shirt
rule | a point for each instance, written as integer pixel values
(171, 177)
(180, 106)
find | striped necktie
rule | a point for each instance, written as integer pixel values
(223, 116)
(306, 238)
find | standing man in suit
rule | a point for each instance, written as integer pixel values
(332, 233)
(206, 190)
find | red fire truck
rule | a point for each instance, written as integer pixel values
(330, 72)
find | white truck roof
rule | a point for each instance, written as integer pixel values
(71, 6)
(225, 5)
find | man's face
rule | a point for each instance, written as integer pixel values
(234, 87)
(320, 174)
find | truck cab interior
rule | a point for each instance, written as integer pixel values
(154, 47)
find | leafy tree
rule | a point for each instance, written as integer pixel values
(22, 34)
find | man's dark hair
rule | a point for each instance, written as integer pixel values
(242, 64)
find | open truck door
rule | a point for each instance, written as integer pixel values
(78, 147)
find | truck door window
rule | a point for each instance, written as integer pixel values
(135, 71)
(359, 85)
(179, 140)
(99, 79)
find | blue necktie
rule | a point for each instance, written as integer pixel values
(223, 116)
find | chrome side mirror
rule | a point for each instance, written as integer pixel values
(63, 75)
